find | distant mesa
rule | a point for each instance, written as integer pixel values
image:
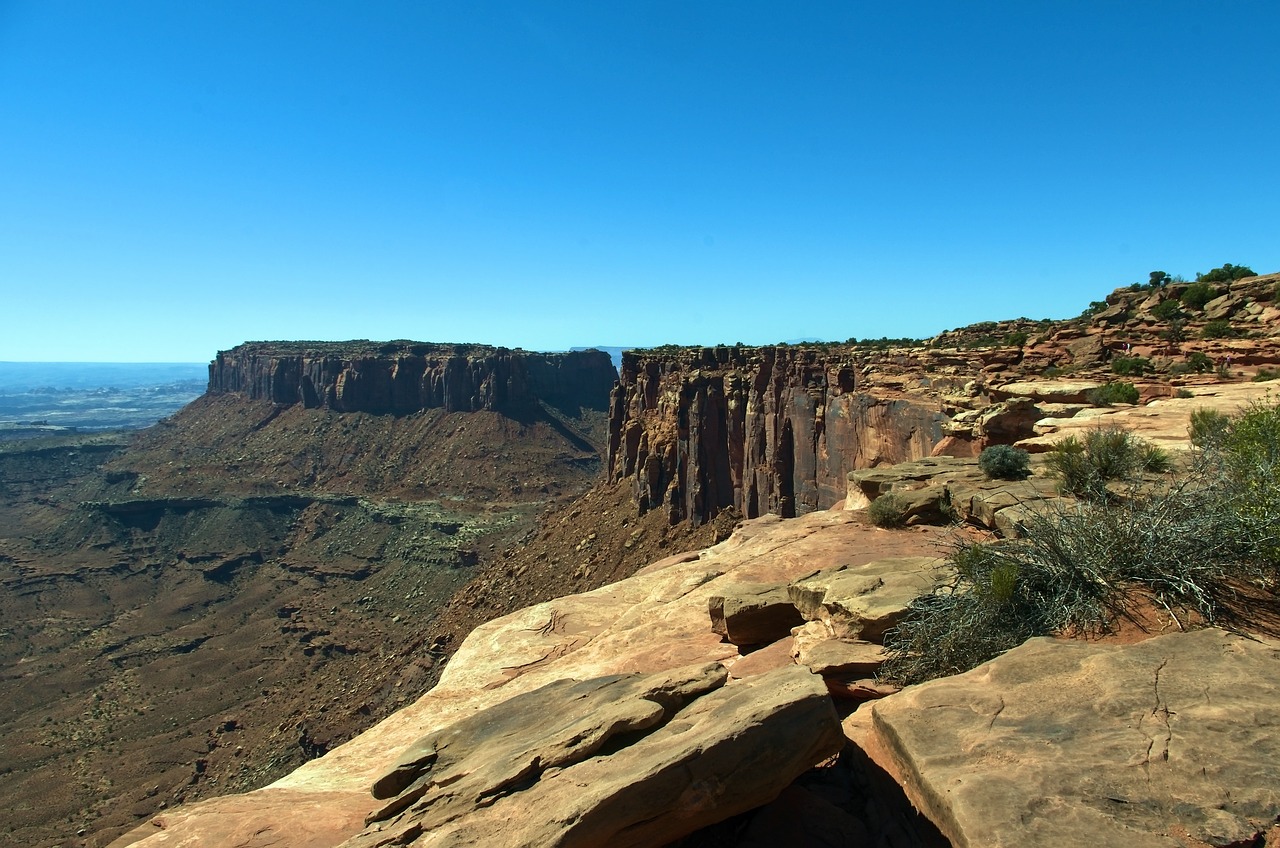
(401, 377)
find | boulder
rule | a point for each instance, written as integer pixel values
(1049, 391)
(862, 602)
(842, 656)
(753, 613)
(1007, 421)
(1071, 743)
(672, 746)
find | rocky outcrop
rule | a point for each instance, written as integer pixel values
(404, 377)
(683, 751)
(1165, 743)
(758, 430)
(644, 635)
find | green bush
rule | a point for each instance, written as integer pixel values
(888, 510)
(1015, 339)
(1199, 362)
(1167, 310)
(1218, 329)
(1226, 274)
(1110, 393)
(1005, 462)
(1246, 459)
(1176, 331)
(1130, 366)
(1197, 295)
(1085, 465)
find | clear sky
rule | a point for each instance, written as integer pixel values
(179, 177)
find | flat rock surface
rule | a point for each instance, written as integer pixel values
(1071, 743)
(1164, 421)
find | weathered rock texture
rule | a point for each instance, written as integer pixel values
(1070, 743)
(754, 429)
(654, 623)
(685, 753)
(404, 377)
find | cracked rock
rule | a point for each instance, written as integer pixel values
(624, 760)
(1072, 743)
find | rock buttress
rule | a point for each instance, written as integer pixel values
(759, 430)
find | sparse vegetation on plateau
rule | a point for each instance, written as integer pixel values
(1226, 274)
(1084, 466)
(1184, 543)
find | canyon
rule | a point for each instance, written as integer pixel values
(226, 601)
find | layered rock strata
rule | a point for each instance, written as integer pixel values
(404, 377)
(758, 430)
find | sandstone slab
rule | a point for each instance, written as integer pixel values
(862, 602)
(842, 656)
(753, 613)
(1049, 391)
(1070, 743)
(724, 753)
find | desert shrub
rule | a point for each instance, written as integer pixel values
(1074, 570)
(1187, 544)
(1245, 458)
(1094, 307)
(1219, 328)
(1226, 274)
(1266, 375)
(1016, 339)
(1175, 332)
(1197, 295)
(1085, 465)
(1167, 310)
(888, 510)
(1110, 393)
(1004, 462)
(1130, 366)
(1184, 393)
(1199, 362)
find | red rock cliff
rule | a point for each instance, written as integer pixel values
(403, 377)
(757, 429)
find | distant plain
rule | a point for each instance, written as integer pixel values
(40, 398)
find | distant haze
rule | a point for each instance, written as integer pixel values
(46, 397)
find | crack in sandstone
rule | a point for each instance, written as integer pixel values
(1163, 735)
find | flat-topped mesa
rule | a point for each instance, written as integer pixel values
(759, 430)
(401, 377)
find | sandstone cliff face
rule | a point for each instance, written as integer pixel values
(404, 377)
(760, 430)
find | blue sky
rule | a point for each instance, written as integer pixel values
(180, 177)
